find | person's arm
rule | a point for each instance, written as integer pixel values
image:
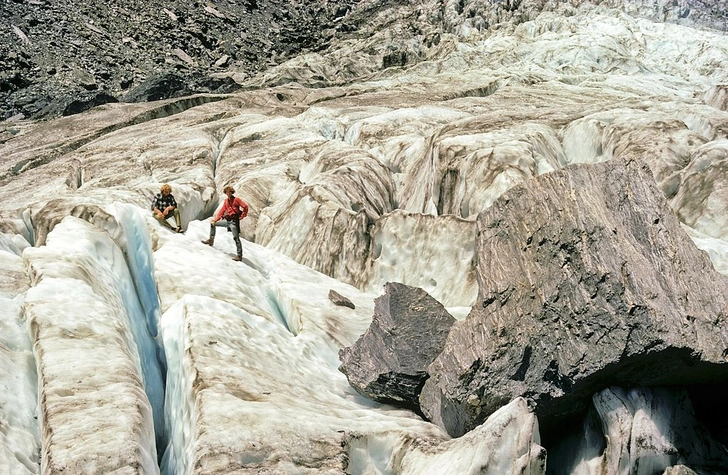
(243, 208)
(219, 214)
(155, 207)
(172, 205)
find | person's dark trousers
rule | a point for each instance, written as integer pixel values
(232, 225)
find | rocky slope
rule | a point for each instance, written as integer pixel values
(63, 57)
(60, 58)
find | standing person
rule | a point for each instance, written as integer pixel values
(164, 205)
(233, 210)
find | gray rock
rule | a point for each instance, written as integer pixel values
(158, 87)
(87, 101)
(601, 287)
(388, 363)
(222, 61)
(339, 300)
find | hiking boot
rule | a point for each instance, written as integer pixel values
(237, 258)
(209, 242)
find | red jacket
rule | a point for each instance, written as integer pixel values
(231, 208)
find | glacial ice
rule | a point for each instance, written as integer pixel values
(151, 345)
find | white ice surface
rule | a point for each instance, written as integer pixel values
(19, 437)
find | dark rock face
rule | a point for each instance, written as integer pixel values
(586, 280)
(389, 362)
(55, 53)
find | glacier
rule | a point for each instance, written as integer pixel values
(129, 349)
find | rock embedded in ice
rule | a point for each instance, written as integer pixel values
(389, 362)
(338, 299)
(586, 280)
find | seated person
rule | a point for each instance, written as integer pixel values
(164, 206)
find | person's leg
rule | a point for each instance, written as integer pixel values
(211, 240)
(235, 225)
(177, 220)
(162, 220)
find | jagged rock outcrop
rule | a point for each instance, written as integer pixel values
(389, 362)
(586, 281)
(640, 431)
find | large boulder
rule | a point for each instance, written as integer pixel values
(388, 363)
(586, 280)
